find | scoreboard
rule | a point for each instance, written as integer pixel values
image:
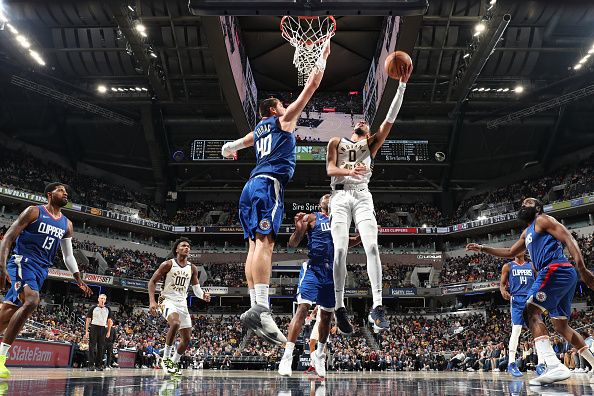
(207, 150)
(404, 150)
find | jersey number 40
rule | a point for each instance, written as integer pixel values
(264, 145)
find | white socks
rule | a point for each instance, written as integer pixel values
(4, 349)
(289, 346)
(167, 351)
(544, 349)
(252, 297)
(321, 346)
(368, 231)
(176, 357)
(340, 237)
(261, 291)
(513, 342)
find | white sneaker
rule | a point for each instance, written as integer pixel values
(319, 360)
(552, 374)
(284, 368)
(578, 370)
(470, 369)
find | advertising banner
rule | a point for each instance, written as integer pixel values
(58, 273)
(29, 353)
(216, 290)
(356, 292)
(134, 283)
(126, 358)
(94, 278)
(454, 289)
(485, 286)
(404, 291)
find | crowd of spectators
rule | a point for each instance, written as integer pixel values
(472, 268)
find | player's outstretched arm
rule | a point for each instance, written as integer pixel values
(26, 217)
(302, 224)
(376, 141)
(198, 292)
(503, 282)
(562, 234)
(70, 260)
(511, 252)
(294, 110)
(163, 269)
(229, 149)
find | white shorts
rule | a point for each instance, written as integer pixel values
(347, 205)
(168, 307)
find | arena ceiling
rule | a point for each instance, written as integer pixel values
(184, 100)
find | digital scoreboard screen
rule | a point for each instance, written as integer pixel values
(311, 153)
(404, 150)
(207, 150)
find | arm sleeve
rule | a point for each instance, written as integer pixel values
(198, 291)
(396, 103)
(68, 255)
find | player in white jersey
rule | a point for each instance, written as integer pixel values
(179, 274)
(349, 163)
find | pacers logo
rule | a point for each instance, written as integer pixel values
(541, 296)
(265, 224)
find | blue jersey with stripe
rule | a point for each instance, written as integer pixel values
(275, 150)
(544, 249)
(521, 277)
(39, 241)
(319, 241)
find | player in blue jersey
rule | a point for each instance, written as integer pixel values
(37, 233)
(316, 283)
(554, 286)
(517, 278)
(262, 199)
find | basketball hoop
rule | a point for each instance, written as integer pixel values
(309, 35)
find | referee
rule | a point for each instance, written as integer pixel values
(99, 330)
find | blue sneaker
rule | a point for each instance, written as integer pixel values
(540, 369)
(513, 369)
(377, 317)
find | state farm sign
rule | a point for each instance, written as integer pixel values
(27, 353)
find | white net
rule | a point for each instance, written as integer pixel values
(308, 35)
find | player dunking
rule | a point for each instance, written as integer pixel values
(517, 278)
(38, 231)
(316, 284)
(179, 274)
(262, 199)
(554, 286)
(349, 163)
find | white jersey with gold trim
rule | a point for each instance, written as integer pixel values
(349, 155)
(177, 282)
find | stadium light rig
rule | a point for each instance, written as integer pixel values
(584, 60)
(122, 91)
(21, 39)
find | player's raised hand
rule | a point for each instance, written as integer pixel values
(405, 72)
(473, 247)
(206, 296)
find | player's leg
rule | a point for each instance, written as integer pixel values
(295, 328)
(185, 334)
(326, 302)
(248, 272)
(6, 311)
(549, 287)
(367, 226)
(340, 211)
(517, 305)
(261, 267)
(248, 223)
(173, 320)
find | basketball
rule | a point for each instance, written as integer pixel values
(395, 61)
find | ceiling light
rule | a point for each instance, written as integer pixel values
(474, 89)
(12, 29)
(23, 41)
(130, 8)
(144, 89)
(120, 89)
(584, 59)
(591, 50)
(481, 89)
(577, 67)
(153, 54)
(3, 18)
(143, 34)
(35, 55)
(480, 27)
(487, 89)
(114, 89)
(492, 2)
(466, 55)
(138, 89)
(505, 89)
(519, 89)
(499, 89)
(140, 28)
(101, 88)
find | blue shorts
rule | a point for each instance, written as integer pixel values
(23, 272)
(261, 206)
(553, 289)
(517, 305)
(316, 285)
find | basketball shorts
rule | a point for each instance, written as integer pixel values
(316, 285)
(517, 305)
(553, 289)
(348, 205)
(261, 206)
(168, 307)
(23, 272)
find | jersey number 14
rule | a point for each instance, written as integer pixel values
(264, 146)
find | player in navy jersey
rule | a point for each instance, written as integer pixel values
(554, 286)
(38, 232)
(316, 283)
(517, 278)
(262, 199)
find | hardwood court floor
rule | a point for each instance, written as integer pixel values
(132, 382)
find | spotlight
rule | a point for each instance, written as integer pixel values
(138, 89)
(23, 41)
(481, 89)
(101, 88)
(12, 29)
(577, 67)
(493, 2)
(505, 89)
(591, 51)
(584, 59)
(153, 54)
(114, 89)
(466, 55)
(144, 89)
(487, 89)
(480, 27)
(130, 8)
(519, 89)
(35, 55)
(140, 28)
